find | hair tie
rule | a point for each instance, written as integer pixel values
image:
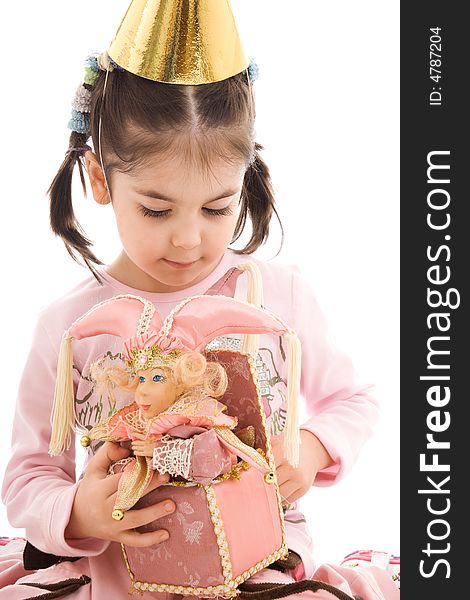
(80, 149)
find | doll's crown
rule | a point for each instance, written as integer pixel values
(149, 358)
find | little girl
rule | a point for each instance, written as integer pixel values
(169, 109)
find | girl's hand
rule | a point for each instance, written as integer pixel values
(295, 483)
(94, 502)
(142, 448)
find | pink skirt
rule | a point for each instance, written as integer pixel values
(104, 576)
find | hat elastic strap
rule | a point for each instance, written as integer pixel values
(250, 341)
(63, 412)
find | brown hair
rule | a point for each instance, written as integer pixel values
(142, 118)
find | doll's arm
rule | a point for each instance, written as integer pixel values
(142, 447)
(199, 458)
(210, 458)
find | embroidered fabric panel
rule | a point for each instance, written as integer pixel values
(191, 555)
(270, 365)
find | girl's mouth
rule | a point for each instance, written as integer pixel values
(177, 265)
(144, 407)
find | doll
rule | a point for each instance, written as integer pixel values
(175, 424)
(164, 356)
(164, 429)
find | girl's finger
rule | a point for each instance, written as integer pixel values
(157, 480)
(143, 540)
(296, 495)
(110, 485)
(137, 517)
(100, 463)
(289, 490)
(283, 474)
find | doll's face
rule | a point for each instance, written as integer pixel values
(156, 391)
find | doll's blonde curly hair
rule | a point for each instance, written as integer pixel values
(192, 373)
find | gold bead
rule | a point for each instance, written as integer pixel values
(118, 515)
(269, 477)
(85, 441)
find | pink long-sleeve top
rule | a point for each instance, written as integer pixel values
(38, 490)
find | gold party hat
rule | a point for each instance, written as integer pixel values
(179, 41)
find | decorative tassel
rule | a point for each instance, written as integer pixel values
(254, 293)
(292, 431)
(63, 411)
(254, 296)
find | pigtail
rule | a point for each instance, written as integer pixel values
(62, 217)
(257, 203)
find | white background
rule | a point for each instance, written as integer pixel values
(327, 114)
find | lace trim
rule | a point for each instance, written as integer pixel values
(145, 317)
(173, 456)
(123, 462)
(135, 420)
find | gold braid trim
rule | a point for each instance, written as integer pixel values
(228, 590)
(219, 531)
(269, 452)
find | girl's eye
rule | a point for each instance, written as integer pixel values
(141, 379)
(158, 378)
(211, 212)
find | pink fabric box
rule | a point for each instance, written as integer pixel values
(224, 532)
(215, 542)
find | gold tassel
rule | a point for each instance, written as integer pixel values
(63, 411)
(250, 343)
(292, 431)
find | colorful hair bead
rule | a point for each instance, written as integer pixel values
(79, 122)
(91, 76)
(92, 63)
(253, 70)
(82, 100)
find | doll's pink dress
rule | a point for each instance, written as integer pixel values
(197, 442)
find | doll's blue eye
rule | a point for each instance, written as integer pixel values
(157, 377)
(141, 379)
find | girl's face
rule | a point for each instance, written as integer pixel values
(156, 391)
(175, 222)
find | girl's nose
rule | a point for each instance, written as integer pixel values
(186, 235)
